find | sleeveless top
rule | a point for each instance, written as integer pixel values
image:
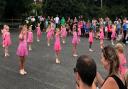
(119, 82)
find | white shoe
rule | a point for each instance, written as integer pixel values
(63, 42)
(75, 55)
(57, 61)
(8, 54)
(30, 49)
(22, 72)
(48, 44)
(113, 44)
(5, 55)
(90, 50)
(38, 40)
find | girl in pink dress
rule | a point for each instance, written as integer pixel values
(49, 34)
(57, 46)
(6, 41)
(30, 38)
(3, 31)
(122, 59)
(91, 35)
(101, 37)
(63, 34)
(75, 41)
(39, 33)
(52, 30)
(79, 32)
(113, 36)
(22, 50)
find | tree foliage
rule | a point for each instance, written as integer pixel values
(88, 8)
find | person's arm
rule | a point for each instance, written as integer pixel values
(99, 78)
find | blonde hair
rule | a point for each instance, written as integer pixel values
(119, 47)
(57, 29)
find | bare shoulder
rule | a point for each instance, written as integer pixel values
(110, 83)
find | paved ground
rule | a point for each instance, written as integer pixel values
(43, 73)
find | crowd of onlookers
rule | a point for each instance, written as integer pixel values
(120, 25)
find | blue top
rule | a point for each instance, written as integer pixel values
(125, 26)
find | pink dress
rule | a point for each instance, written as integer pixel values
(49, 34)
(122, 67)
(113, 36)
(101, 34)
(57, 46)
(30, 37)
(22, 48)
(6, 39)
(52, 31)
(79, 31)
(63, 32)
(75, 39)
(90, 37)
(39, 33)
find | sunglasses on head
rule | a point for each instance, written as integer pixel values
(75, 70)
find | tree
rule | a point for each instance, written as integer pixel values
(17, 8)
(2, 7)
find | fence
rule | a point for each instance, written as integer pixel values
(12, 23)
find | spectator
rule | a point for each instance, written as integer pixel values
(85, 72)
(110, 61)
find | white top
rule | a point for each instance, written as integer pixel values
(33, 19)
(56, 20)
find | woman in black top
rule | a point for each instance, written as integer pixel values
(110, 62)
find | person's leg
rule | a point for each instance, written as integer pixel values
(112, 41)
(48, 41)
(63, 40)
(75, 50)
(57, 57)
(5, 51)
(124, 40)
(90, 46)
(29, 46)
(101, 44)
(24, 65)
(21, 66)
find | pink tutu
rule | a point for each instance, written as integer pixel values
(63, 32)
(101, 35)
(6, 39)
(75, 39)
(22, 48)
(90, 37)
(39, 33)
(113, 36)
(52, 31)
(57, 46)
(49, 34)
(122, 67)
(79, 32)
(30, 37)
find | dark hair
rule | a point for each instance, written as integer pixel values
(91, 29)
(86, 68)
(110, 55)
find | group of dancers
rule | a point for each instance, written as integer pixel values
(53, 30)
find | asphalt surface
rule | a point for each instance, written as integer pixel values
(43, 72)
